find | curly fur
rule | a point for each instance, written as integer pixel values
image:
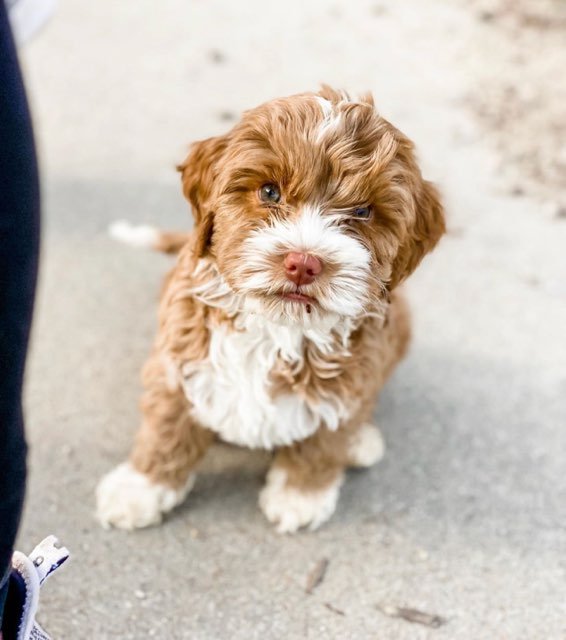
(234, 357)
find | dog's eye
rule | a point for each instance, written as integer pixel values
(270, 193)
(361, 213)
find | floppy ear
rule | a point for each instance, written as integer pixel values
(427, 229)
(198, 173)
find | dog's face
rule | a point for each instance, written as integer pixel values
(313, 207)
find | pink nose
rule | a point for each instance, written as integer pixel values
(301, 268)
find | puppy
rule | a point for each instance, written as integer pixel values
(282, 318)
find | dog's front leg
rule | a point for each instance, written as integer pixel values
(160, 471)
(303, 483)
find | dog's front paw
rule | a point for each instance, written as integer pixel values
(290, 508)
(127, 499)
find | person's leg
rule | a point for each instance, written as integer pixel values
(19, 244)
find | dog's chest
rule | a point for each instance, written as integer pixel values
(231, 392)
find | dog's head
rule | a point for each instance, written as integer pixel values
(312, 207)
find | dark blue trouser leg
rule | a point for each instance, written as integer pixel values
(19, 245)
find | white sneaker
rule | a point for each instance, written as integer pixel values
(28, 16)
(28, 574)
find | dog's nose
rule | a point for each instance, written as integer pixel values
(301, 268)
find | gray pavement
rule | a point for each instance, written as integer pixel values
(466, 515)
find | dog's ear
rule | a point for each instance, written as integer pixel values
(198, 173)
(423, 235)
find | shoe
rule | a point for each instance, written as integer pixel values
(26, 578)
(28, 16)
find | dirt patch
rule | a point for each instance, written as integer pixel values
(520, 95)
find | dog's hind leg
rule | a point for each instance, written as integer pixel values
(366, 446)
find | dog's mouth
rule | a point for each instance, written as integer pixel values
(290, 306)
(297, 296)
(301, 298)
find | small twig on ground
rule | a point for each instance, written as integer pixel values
(316, 576)
(412, 615)
(334, 609)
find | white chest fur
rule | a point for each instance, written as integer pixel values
(230, 391)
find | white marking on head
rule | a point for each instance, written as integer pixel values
(325, 105)
(331, 118)
(332, 114)
(141, 236)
